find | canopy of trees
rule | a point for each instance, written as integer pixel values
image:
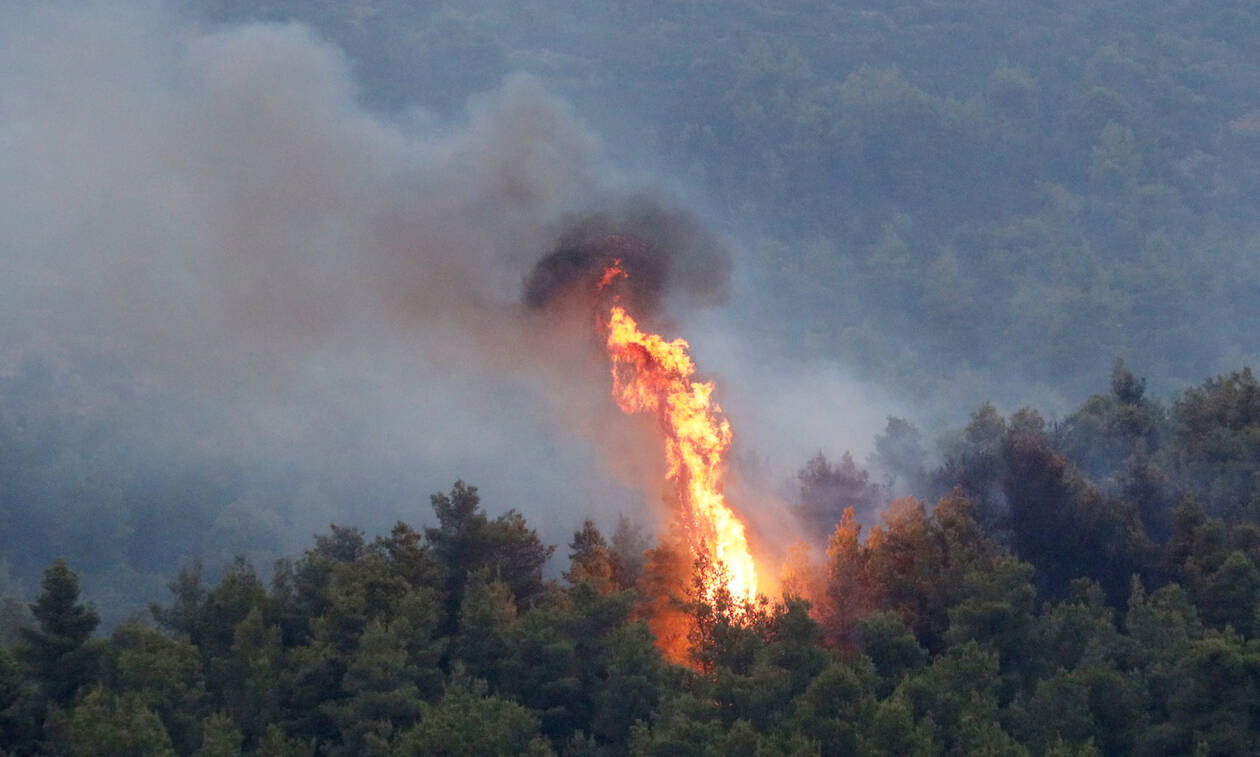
(1085, 587)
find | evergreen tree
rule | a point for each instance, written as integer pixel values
(381, 696)
(467, 722)
(589, 559)
(58, 652)
(221, 738)
(102, 725)
(626, 552)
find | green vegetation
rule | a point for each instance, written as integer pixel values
(1083, 588)
(959, 201)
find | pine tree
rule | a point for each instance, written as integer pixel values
(589, 560)
(222, 737)
(57, 653)
(102, 725)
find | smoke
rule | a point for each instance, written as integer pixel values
(209, 237)
(225, 260)
(224, 197)
(666, 254)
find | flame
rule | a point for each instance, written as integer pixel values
(651, 375)
(614, 271)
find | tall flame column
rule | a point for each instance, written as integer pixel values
(653, 375)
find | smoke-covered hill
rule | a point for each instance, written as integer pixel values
(263, 261)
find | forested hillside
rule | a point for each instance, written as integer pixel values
(1007, 195)
(1083, 588)
(269, 266)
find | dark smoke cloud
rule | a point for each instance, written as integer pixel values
(666, 254)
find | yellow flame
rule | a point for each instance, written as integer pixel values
(653, 375)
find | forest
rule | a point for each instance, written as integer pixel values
(1087, 587)
(261, 294)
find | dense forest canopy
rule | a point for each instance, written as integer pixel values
(220, 331)
(1036, 609)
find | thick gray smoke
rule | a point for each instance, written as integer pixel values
(301, 282)
(227, 264)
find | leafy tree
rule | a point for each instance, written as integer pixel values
(274, 743)
(974, 463)
(893, 731)
(627, 686)
(245, 677)
(1109, 429)
(834, 706)
(1214, 704)
(664, 590)
(909, 569)
(1230, 595)
(955, 693)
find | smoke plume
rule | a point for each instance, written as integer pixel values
(663, 252)
(209, 238)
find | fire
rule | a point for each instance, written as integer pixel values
(614, 271)
(651, 375)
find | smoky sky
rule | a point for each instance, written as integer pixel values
(660, 250)
(216, 209)
(209, 235)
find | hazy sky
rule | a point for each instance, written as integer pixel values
(333, 292)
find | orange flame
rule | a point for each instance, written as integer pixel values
(614, 271)
(653, 375)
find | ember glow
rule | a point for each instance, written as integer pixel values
(651, 375)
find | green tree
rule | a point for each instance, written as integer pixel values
(893, 731)
(274, 743)
(58, 653)
(589, 558)
(102, 725)
(381, 696)
(1218, 431)
(486, 640)
(466, 722)
(835, 705)
(165, 674)
(466, 541)
(1230, 595)
(245, 678)
(221, 738)
(885, 639)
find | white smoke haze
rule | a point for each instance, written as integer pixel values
(327, 290)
